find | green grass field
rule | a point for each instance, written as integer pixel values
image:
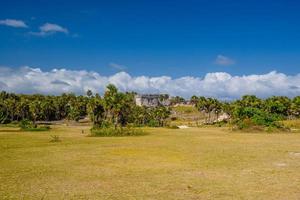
(195, 163)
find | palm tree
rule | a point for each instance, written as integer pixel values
(250, 101)
(278, 105)
(194, 99)
(206, 105)
(11, 104)
(114, 101)
(161, 113)
(35, 109)
(96, 110)
(3, 113)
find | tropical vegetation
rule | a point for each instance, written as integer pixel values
(116, 110)
(112, 110)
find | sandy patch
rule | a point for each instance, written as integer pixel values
(295, 154)
(280, 164)
(183, 127)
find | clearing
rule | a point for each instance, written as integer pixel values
(194, 163)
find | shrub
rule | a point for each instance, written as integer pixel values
(27, 125)
(257, 125)
(294, 124)
(250, 118)
(266, 119)
(248, 125)
(55, 138)
(115, 132)
(153, 123)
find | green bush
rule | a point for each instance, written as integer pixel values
(115, 132)
(153, 123)
(254, 118)
(266, 119)
(248, 125)
(27, 125)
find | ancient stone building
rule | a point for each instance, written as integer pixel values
(152, 100)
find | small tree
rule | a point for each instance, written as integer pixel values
(206, 105)
(96, 110)
(35, 109)
(161, 113)
(114, 102)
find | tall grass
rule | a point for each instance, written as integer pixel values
(294, 124)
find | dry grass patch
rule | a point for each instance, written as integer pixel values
(195, 163)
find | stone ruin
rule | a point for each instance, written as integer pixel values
(152, 100)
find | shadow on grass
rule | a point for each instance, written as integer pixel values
(10, 131)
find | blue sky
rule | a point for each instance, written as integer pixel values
(204, 47)
(154, 38)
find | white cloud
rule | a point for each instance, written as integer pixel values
(220, 84)
(53, 28)
(224, 60)
(13, 23)
(117, 67)
(49, 29)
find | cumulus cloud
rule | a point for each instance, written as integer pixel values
(13, 23)
(219, 84)
(49, 29)
(224, 60)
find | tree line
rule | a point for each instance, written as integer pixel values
(114, 108)
(118, 109)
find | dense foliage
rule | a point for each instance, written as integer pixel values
(36, 107)
(113, 109)
(116, 109)
(250, 110)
